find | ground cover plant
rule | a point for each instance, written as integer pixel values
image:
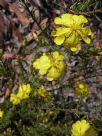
(50, 68)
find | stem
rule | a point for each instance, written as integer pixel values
(31, 14)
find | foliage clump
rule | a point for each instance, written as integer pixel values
(49, 91)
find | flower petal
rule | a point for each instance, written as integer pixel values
(53, 74)
(86, 39)
(79, 20)
(43, 64)
(60, 66)
(58, 20)
(66, 20)
(43, 70)
(75, 48)
(44, 67)
(61, 31)
(72, 39)
(59, 40)
(84, 33)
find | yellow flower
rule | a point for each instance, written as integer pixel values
(82, 128)
(1, 113)
(70, 30)
(81, 89)
(24, 91)
(42, 92)
(51, 64)
(14, 99)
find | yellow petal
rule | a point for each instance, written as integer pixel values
(58, 20)
(84, 33)
(72, 39)
(87, 40)
(76, 128)
(20, 94)
(24, 87)
(79, 20)
(59, 40)
(75, 48)
(43, 64)
(14, 99)
(60, 66)
(84, 127)
(53, 74)
(43, 70)
(67, 19)
(36, 64)
(24, 91)
(61, 31)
